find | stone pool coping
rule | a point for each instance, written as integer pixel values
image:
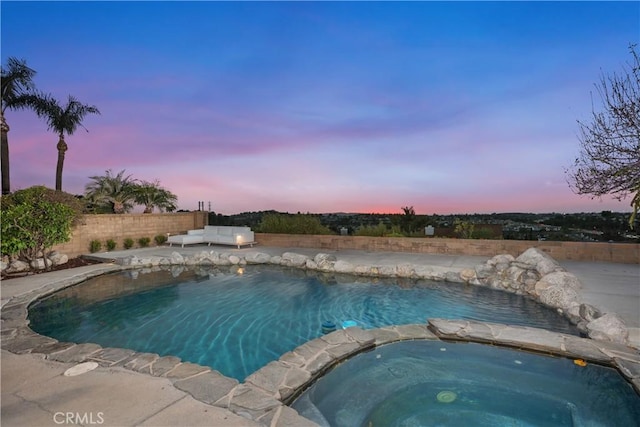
(265, 393)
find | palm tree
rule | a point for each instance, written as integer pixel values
(63, 120)
(152, 195)
(113, 193)
(16, 86)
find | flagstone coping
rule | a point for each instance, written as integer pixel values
(265, 393)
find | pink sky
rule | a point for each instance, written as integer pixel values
(322, 107)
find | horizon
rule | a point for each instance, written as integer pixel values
(323, 107)
(425, 214)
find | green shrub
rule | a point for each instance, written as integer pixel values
(127, 243)
(35, 219)
(143, 242)
(111, 244)
(372, 230)
(379, 230)
(484, 233)
(292, 224)
(464, 229)
(95, 246)
(160, 239)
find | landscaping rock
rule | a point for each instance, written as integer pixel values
(292, 259)
(41, 263)
(257, 258)
(405, 270)
(176, 258)
(468, 275)
(57, 258)
(558, 278)
(343, 267)
(276, 260)
(609, 327)
(559, 296)
(589, 312)
(126, 261)
(501, 260)
(540, 260)
(324, 262)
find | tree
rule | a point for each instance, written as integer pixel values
(464, 229)
(17, 84)
(406, 222)
(152, 195)
(36, 219)
(110, 193)
(62, 119)
(609, 159)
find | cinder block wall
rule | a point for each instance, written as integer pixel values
(134, 226)
(579, 251)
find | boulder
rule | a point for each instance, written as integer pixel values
(540, 260)
(293, 259)
(558, 296)
(343, 267)
(257, 258)
(500, 263)
(325, 262)
(608, 327)
(558, 278)
(17, 266)
(484, 271)
(501, 259)
(468, 275)
(41, 263)
(276, 260)
(222, 259)
(321, 257)
(129, 260)
(453, 277)
(57, 258)
(589, 312)
(405, 270)
(176, 258)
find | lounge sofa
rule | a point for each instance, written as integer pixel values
(216, 234)
(226, 235)
(192, 237)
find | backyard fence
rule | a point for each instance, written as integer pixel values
(118, 227)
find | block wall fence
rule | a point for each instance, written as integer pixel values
(578, 251)
(121, 226)
(135, 226)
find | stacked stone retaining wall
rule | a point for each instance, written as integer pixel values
(577, 251)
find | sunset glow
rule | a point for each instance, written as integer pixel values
(449, 107)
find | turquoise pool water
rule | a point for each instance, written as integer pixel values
(434, 383)
(237, 323)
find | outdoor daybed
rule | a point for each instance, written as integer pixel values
(216, 234)
(225, 235)
(192, 237)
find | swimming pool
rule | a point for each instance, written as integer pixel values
(238, 321)
(462, 384)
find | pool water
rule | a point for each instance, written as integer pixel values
(434, 383)
(236, 323)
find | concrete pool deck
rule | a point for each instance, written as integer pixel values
(35, 391)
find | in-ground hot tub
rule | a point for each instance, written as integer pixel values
(436, 383)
